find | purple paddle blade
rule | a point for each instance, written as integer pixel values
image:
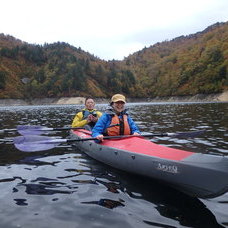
(35, 143)
(32, 129)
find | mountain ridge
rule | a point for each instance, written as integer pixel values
(183, 66)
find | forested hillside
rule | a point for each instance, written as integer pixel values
(197, 63)
(186, 65)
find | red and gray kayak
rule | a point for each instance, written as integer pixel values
(198, 175)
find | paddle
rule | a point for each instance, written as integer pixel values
(35, 143)
(38, 130)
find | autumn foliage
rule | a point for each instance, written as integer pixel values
(186, 65)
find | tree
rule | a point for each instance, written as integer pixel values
(40, 76)
(2, 79)
(78, 78)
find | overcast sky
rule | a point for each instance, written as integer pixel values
(108, 29)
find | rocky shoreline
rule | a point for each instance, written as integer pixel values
(221, 97)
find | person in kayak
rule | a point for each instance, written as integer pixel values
(88, 117)
(115, 121)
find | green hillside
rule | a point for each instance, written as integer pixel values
(186, 65)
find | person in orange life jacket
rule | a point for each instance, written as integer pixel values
(115, 120)
(88, 117)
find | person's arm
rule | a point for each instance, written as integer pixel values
(95, 119)
(134, 128)
(78, 121)
(100, 126)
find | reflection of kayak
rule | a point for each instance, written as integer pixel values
(196, 174)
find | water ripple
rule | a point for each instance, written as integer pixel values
(63, 187)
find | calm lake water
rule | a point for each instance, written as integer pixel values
(63, 187)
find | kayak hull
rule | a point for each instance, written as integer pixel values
(198, 175)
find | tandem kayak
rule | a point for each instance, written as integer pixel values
(196, 174)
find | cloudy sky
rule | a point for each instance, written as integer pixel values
(109, 29)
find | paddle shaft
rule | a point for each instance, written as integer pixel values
(119, 137)
(39, 130)
(56, 140)
(178, 135)
(30, 128)
(60, 129)
(32, 143)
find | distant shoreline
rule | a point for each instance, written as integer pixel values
(221, 97)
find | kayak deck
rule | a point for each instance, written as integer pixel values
(141, 146)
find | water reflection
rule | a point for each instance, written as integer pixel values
(187, 211)
(108, 203)
(44, 189)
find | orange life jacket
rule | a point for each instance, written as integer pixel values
(120, 126)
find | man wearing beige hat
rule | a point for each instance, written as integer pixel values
(115, 120)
